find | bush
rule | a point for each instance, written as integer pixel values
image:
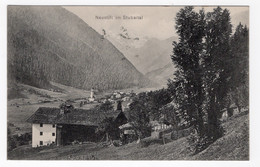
(18, 140)
(181, 133)
(117, 143)
(199, 143)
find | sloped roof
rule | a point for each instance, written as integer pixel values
(85, 117)
(127, 114)
(45, 115)
(125, 126)
(76, 116)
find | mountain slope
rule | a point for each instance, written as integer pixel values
(161, 75)
(156, 53)
(51, 44)
(148, 55)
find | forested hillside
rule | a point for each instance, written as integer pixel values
(51, 44)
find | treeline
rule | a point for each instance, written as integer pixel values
(211, 75)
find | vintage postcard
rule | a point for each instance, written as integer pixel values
(128, 82)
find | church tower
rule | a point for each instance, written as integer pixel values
(92, 98)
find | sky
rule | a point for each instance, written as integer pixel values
(157, 22)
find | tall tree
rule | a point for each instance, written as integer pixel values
(239, 81)
(139, 115)
(190, 27)
(108, 126)
(158, 99)
(217, 67)
(210, 66)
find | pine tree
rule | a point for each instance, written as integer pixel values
(107, 125)
(139, 115)
(188, 85)
(211, 64)
(217, 67)
(239, 81)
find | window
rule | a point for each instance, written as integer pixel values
(41, 125)
(41, 143)
(53, 125)
(53, 134)
(41, 133)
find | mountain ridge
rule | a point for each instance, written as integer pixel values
(55, 44)
(151, 56)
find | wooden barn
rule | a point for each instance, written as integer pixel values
(56, 126)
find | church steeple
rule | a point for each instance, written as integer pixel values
(92, 97)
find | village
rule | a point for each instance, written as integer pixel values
(79, 120)
(73, 124)
(69, 125)
(89, 92)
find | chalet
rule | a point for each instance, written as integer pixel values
(59, 127)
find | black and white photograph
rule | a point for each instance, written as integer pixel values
(128, 82)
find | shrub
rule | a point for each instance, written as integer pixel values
(18, 140)
(198, 143)
(117, 143)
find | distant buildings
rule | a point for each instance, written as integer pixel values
(159, 125)
(230, 111)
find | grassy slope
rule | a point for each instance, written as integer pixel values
(233, 146)
(20, 109)
(235, 142)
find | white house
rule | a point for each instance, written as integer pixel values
(43, 134)
(44, 128)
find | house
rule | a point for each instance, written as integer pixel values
(59, 127)
(229, 111)
(127, 129)
(158, 125)
(118, 95)
(234, 108)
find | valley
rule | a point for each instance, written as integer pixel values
(20, 109)
(126, 91)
